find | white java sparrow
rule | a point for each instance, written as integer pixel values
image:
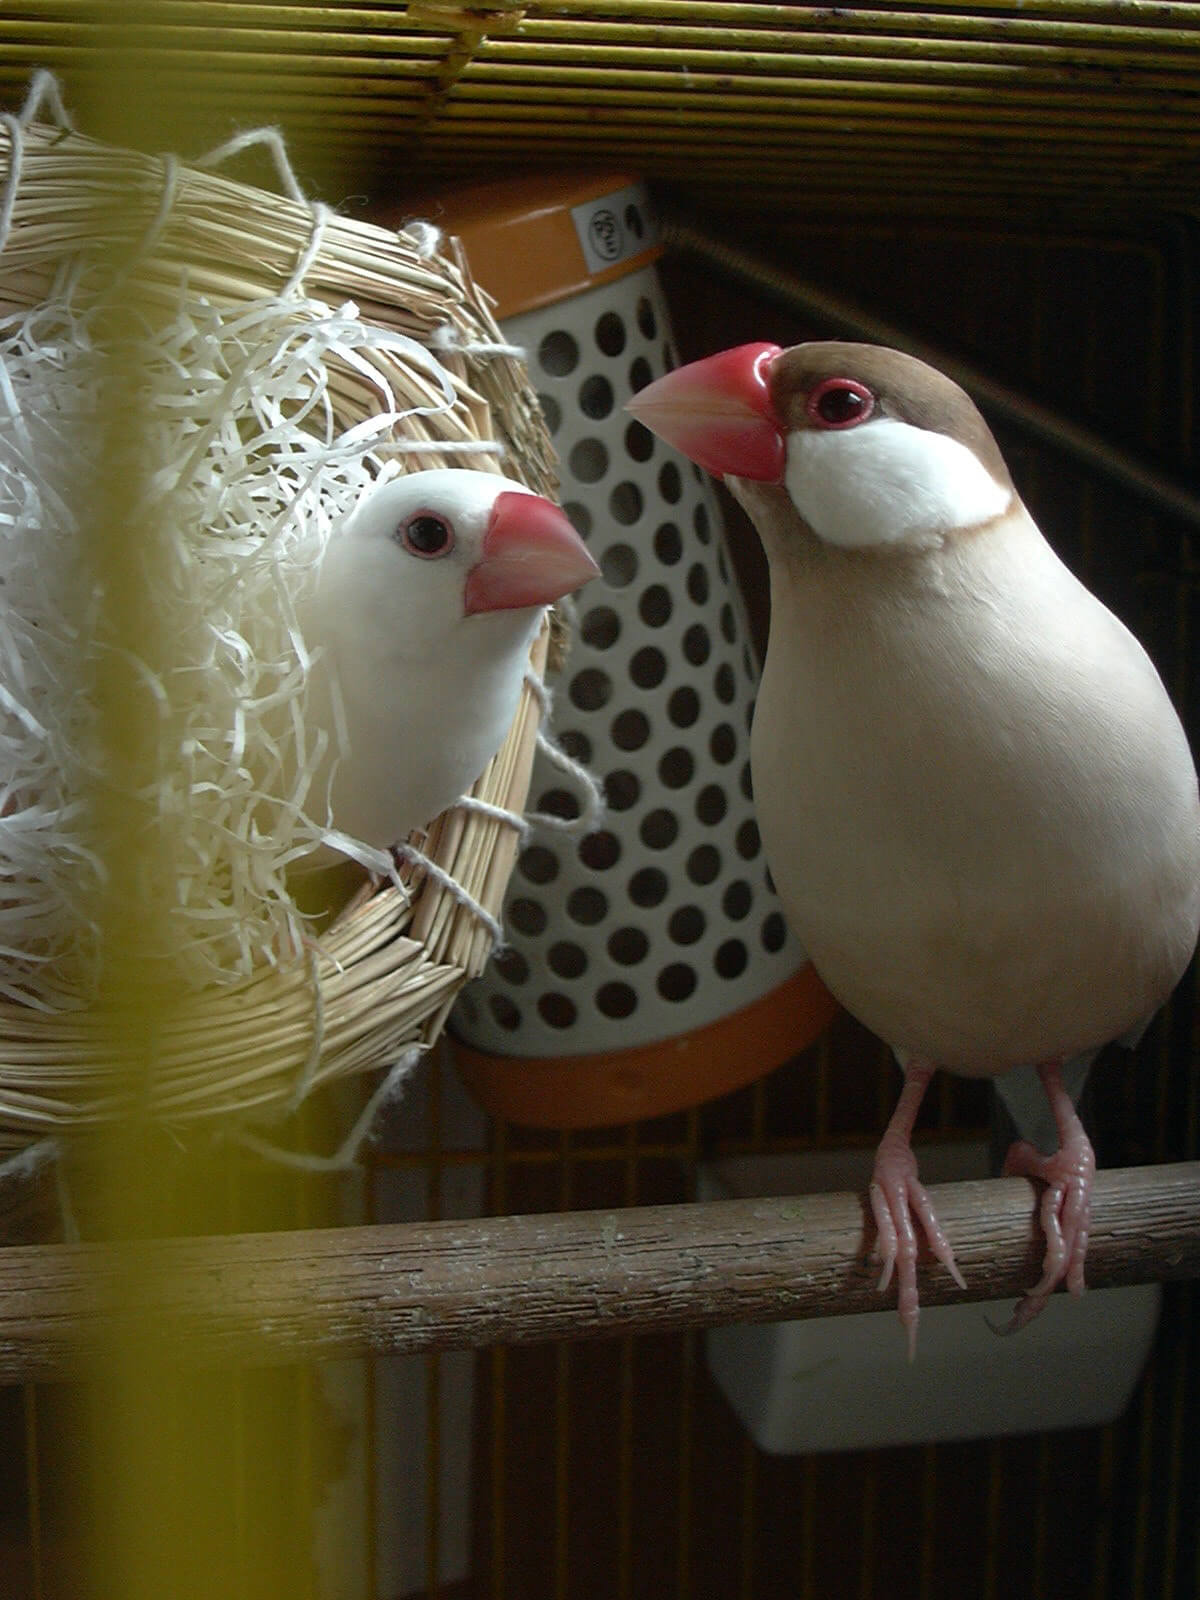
(978, 804)
(427, 601)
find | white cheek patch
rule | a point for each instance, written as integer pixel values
(887, 482)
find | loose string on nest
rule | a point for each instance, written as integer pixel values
(386, 1093)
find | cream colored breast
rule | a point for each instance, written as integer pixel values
(976, 799)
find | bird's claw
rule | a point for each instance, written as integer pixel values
(897, 1199)
(1065, 1212)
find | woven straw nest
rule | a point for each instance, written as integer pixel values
(285, 355)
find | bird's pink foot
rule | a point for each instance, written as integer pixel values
(1066, 1205)
(898, 1200)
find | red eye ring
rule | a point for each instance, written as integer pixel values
(839, 403)
(426, 535)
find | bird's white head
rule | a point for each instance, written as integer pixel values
(427, 550)
(873, 447)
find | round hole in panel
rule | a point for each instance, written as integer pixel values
(655, 606)
(774, 932)
(512, 966)
(648, 887)
(538, 864)
(659, 829)
(600, 627)
(646, 320)
(677, 981)
(737, 900)
(596, 397)
(587, 906)
(701, 523)
(628, 945)
(640, 373)
(639, 442)
(676, 767)
(747, 840)
(616, 999)
(505, 1013)
(551, 411)
(686, 924)
(696, 644)
(625, 503)
(746, 781)
(559, 1010)
(579, 516)
(630, 729)
(724, 684)
(600, 850)
(728, 624)
(558, 353)
(731, 959)
(559, 803)
(588, 460)
(684, 706)
(711, 805)
(590, 689)
(622, 790)
(704, 864)
(670, 483)
(722, 744)
(697, 584)
(610, 334)
(527, 916)
(647, 667)
(577, 745)
(619, 565)
(668, 543)
(566, 959)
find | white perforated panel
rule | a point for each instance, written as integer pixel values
(665, 919)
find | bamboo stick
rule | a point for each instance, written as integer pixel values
(245, 30)
(731, 13)
(848, 28)
(403, 64)
(386, 1289)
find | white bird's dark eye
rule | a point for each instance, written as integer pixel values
(840, 403)
(426, 535)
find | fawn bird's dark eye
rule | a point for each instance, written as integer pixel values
(426, 535)
(840, 403)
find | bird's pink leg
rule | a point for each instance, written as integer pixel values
(897, 1197)
(1066, 1208)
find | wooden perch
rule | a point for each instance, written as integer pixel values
(317, 1294)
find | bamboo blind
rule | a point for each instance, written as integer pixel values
(1068, 105)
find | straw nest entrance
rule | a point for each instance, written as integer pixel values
(271, 358)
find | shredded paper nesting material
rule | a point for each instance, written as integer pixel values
(286, 359)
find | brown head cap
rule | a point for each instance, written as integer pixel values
(902, 387)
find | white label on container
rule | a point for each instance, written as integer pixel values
(616, 227)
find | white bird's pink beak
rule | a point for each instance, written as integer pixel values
(718, 412)
(531, 556)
